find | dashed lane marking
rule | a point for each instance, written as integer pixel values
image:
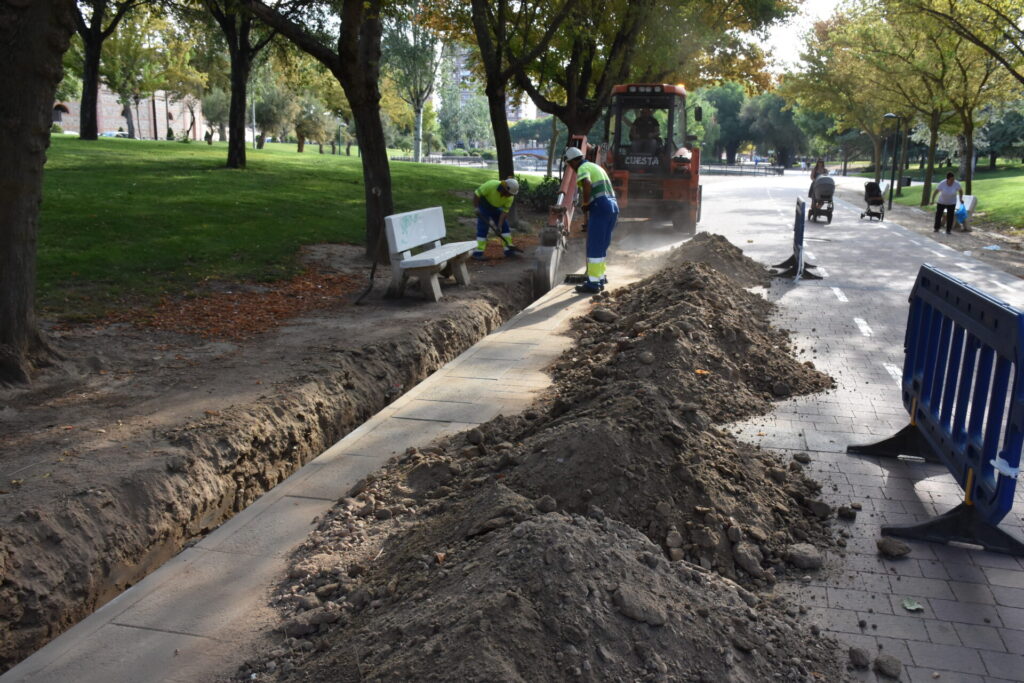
(863, 326)
(839, 294)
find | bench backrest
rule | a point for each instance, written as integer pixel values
(413, 229)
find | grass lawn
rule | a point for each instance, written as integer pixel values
(1000, 195)
(126, 221)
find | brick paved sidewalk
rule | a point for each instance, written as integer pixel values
(851, 325)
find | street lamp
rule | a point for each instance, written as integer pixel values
(895, 156)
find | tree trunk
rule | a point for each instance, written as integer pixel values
(301, 145)
(933, 143)
(992, 156)
(417, 149)
(240, 66)
(127, 113)
(33, 36)
(552, 146)
(376, 171)
(88, 115)
(968, 160)
(261, 140)
(502, 134)
(321, 146)
(222, 133)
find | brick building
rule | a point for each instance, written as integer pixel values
(152, 117)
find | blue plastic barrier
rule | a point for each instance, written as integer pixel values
(795, 265)
(962, 385)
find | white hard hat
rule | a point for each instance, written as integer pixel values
(572, 153)
(511, 185)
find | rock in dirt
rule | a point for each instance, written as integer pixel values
(859, 658)
(892, 547)
(603, 315)
(802, 458)
(547, 504)
(888, 666)
(804, 556)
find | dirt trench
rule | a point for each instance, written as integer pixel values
(135, 449)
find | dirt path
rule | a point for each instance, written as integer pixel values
(145, 439)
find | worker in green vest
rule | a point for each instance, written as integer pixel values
(598, 199)
(491, 202)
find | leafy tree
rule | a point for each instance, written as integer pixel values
(349, 45)
(313, 122)
(35, 35)
(727, 99)
(245, 37)
(131, 62)
(1004, 133)
(217, 108)
(182, 81)
(276, 108)
(771, 125)
(993, 26)
(95, 22)
(412, 57)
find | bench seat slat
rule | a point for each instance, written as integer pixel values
(438, 255)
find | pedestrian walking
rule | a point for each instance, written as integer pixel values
(492, 202)
(947, 193)
(598, 198)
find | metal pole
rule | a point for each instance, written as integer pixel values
(892, 173)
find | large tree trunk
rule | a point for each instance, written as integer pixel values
(376, 170)
(89, 123)
(241, 62)
(33, 37)
(968, 157)
(261, 140)
(127, 113)
(499, 123)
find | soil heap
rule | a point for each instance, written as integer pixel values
(611, 533)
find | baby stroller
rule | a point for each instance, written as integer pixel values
(875, 201)
(822, 190)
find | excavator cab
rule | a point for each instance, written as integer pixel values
(649, 156)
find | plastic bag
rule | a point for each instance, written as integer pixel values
(961, 214)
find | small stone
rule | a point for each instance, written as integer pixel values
(777, 475)
(847, 513)
(675, 554)
(475, 436)
(663, 508)
(888, 666)
(603, 315)
(802, 458)
(674, 539)
(546, 504)
(859, 658)
(804, 556)
(781, 389)
(891, 547)
(856, 506)
(646, 357)
(383, 513)
(815, 630)
(748, 557)
(820, 508)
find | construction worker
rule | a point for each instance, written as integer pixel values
(491, 202)
(602, 211)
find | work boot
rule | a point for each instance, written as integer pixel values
(589, 287)
(511, 252)
(478, 256)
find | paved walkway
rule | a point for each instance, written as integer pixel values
(188, 619)
(851, 324)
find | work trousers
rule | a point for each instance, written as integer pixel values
(948, 209)
(604, 212)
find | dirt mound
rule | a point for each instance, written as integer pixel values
(723, 256)
(575, 540)
(580, 598)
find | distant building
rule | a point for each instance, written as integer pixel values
(469, 86)
(152, 117)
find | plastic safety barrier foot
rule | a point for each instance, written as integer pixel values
(907, 441)
(962, 524)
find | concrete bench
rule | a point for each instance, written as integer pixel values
(423, 230)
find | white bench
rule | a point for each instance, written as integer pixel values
(424, 229)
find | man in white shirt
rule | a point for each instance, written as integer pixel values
(947, 193)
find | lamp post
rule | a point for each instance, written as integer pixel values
(895, 155)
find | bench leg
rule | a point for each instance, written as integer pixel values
(397, 286)
(431, 286)
(460, 271)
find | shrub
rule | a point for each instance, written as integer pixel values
(458, 153)
(170, 133)
(55, 128)
(538, 195)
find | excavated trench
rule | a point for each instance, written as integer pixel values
(60, 561)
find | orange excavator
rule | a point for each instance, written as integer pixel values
(652, 161)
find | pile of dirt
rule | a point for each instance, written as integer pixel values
(611, 532)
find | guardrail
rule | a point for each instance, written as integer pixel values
(741, 169)
(795, 266)
(962, 385)
(451, 160)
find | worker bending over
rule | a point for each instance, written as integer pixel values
(491, 202)
(602, 213)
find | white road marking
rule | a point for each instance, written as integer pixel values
(896, 373)
(839, 294)
(863, 326)
(938, 253)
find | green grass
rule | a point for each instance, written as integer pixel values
(126, 221)
(1000, 195)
